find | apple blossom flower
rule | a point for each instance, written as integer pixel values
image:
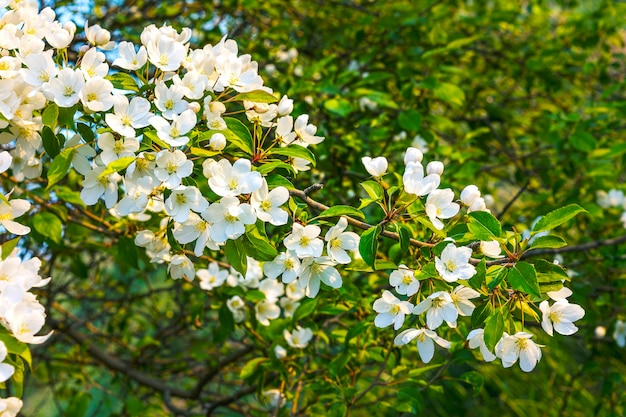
(164, 52)
(40, 69)
(173, 133)
(181, 267)
(461, 297)
(289, 306)
(306, 132)
(519, 345)
(130, 59)
(305, 241)
(563, 293)
(10, 407)
(316, 270)
(237, 307)
(172, 167)
(265, 311)
(560, 317)
(97, 95)
(137, 196)
(26, 319)
(286, 264)
(229, 218)
(439, 306)
(375, 167)
(64, 90)
(95, 185)
(8, 212)
(233, 180)
(6, 370)
(340, 241)
(426, 340)
(184, 199)
(170, 99)
(404, 281)
(267, 204)
(113, 149)
(454, 263)
(93, 64)
(391, 310)
(415, 182)
(476, 338)
(298, 338)
(440, 205)
(128, 116)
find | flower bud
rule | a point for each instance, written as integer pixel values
(469, 195)
(285, 107)
(600, 331)
(217, 142)
(194, 106)
(376, 167)
(207, 165)
(280, 352)
(413, 155)
(491, 248)
(478, 205)
(434, 167)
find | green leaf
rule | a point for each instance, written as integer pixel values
(117, 165)
(450, 93)
(250, 367)
(272, 165)
(338, 106)
(410, 120)
(236, 255)
(123, 81)
(154, 138)
(85, 132)
(558, 217)
(50, 142)
(16, 347)
(8, 246)
(380, 264)
(238, 134)
(582, 141)
(479, 277)
(254, 296)
(483, 225)
(49, 226)
(523, 277)
(405, 238)
(340, 210)
(378, 97)
(50, 115)
(294, 151)
(475, 379)
(257, 96)
(258, 245)
(481, 313)
(305, 309)
(69, 196)
(227, 324)
(368, 246)
(78, 405)
(205, 153)
(494, 328)
(373, 189)
(60, 166)
(548, 242)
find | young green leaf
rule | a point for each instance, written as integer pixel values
(340, 210)
(60, 166)
(368, 246)
(483, 225)
(494, 328)
(294, 151)
(558, 217)
(523, 277)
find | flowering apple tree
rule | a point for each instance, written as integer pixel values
(171, 177)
